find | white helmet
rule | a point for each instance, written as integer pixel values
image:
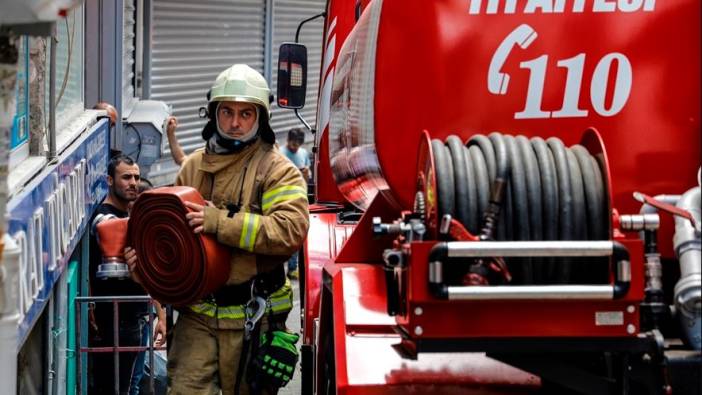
(241, 83)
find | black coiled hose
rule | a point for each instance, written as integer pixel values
(513, 188)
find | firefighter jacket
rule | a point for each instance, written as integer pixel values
(261, 208)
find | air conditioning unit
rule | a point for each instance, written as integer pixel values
(32, 11)
(143, 132)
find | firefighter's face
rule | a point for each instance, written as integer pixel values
(236, 119)
(125, 182)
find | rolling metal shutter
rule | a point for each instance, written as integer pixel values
(192, 42)
(129, 98)
(287, 14)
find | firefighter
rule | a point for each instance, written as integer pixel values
(257, 204)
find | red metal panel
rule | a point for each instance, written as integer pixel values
(326, 188)
(339, 22)
(324, 241)
(631, 72)
(544, 318)
(371, 362)
(362, 248)
(365, 299)
(432, 74)
(366, 363)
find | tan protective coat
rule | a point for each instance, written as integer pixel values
(232, 179)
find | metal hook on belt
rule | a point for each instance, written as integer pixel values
(254, 310)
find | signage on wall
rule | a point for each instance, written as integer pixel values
(49, 217)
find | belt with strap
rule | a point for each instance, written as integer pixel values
(263, 284)
(280, 301)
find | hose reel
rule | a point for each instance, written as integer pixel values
(507, 188)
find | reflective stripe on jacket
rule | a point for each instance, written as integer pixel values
(280, 301)
(273, 218)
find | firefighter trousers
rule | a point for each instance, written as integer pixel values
(202, 360)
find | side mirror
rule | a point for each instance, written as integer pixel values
(292, 75)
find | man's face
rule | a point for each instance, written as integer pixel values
(124, 185)
(236, 119)
(293, 146)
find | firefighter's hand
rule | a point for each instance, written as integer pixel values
(196, 218)
(130, 257)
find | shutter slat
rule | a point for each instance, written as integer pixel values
(192, 43)
(128, 56)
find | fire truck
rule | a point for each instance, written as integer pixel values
(507, 198)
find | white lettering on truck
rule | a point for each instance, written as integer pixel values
(523, 36)
(477, 7)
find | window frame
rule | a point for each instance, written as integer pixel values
(71, 122)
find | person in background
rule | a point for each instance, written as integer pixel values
(124, 181)
(110, 110)
(144, 185)
(176, 150)
(122, 178)
(294, 151)
(301, 159)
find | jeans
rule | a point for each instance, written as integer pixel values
(138, 367)
(292, 263)
(130, 334)
(159, 372)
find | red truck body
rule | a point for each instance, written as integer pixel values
(394, 70)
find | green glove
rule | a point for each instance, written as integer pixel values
(274, 365)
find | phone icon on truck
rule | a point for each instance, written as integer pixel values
(498, 81)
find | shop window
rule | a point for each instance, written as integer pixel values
(19, 134)
(29, 134)
(69, 69)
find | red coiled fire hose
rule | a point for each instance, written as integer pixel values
(175, 265)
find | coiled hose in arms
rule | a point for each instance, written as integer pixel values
(539, 189)
(175, 266)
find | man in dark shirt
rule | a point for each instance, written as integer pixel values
(123, 178)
